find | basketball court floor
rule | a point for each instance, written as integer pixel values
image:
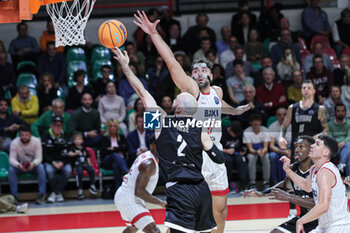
(101, 216)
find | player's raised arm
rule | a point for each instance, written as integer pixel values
(182, 81)
(147, 169)
(134, 81)
(279, 194)
(209, 147)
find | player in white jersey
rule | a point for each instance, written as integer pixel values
(198, 84)
(136, 189)
(326, 184)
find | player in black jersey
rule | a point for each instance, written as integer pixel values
(280, 191)
(180, 147)
(307, 117)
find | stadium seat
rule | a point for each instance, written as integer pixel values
(22, 64)
(346, 51)
(333, 56)
(75, 54)
(96, 68)
(29, 80)
(270, 120)
(74, 66)
(4, 167)
(93, 161)
(320, 38)
(100, 53)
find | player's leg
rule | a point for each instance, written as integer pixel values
(151, 228)
(220, 212)
(130, 230)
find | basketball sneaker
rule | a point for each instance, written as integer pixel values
(92, 189)
(52, 198)
(22, 209)
(59, 197)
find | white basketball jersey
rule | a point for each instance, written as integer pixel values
(129, 180)
(337, 213)
(209, 108)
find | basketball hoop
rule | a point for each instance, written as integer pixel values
(69, 20)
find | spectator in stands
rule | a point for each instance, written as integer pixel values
(42, 125)
(220, 80)
(149, 51)
(76, 92)
(266, 62)
(26, 156)
(223, 44)
(112, 106)
(24, 47)
(294, 91)
(8, 77)
(284, 24)
(167, 104)
(205, 45)
(277, 172)
(228, 55)
(339, 128)
(46, 92)
(55, 144)
(241, 32)
(314, 21)
(339, 74)
(277, 51)
(174, 39)
(136, 56)
(333, 99)
(192, 36)
(166, 21)
(254, 49)
(53, 62)
(235, 153)
(25, 105)
(9, 125)
(247, 67)
(86, 120)
(257, 139)
(99, 86)
(138, 140)
(317, 50)
(138, 109)
(271, 94)
(345, 90)
(236, 83)
(49, 36)
(269, 20)
(321, 77)
(211, 57)
(126, 91)
(82, 162)
(341, 32)
(236, 20)
(114, 151)
(255, 107)
(286, 66)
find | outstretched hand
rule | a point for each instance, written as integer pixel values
(286, 162)
(252, 192)
(243, 108)
(123, 59)
(144, 23)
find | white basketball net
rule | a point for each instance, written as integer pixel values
(69, 20)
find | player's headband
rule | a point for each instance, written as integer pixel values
(201, 64)
(299, 140)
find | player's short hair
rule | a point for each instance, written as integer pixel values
(308, 81)
(309, 139)
(330, 143)
(188, 103)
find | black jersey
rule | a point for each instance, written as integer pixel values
(180, 150)
(298, 191)
(305, 121)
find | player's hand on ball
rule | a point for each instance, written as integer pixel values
(145, 24)
(123, 59)
(286, 162)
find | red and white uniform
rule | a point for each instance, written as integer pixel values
(337, 218)
(133, 209)
(209, 107)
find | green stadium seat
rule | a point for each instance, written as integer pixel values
(74, 66)
(96, 68)
(100, 53)
(270, 120)
(25, 63)
(225, 122)
(75, 54)
(29, 80)
(4, 165)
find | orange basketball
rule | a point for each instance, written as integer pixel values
(112, 33)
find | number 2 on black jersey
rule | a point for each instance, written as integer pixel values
(182, 145)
